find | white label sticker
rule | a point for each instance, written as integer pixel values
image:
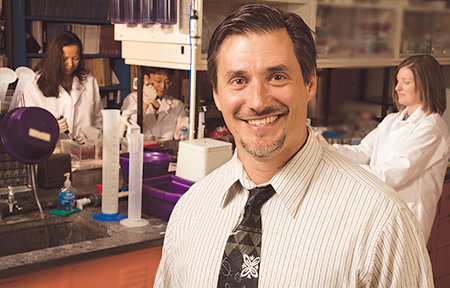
(39, 135)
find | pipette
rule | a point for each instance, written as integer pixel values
(126, 114)
(157, 97)
(161, 105)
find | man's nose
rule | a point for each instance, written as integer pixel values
(258, 96)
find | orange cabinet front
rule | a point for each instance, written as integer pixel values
(133, 269)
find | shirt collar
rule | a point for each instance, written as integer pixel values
(415, 116)
(290, 183)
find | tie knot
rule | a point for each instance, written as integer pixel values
(259, 195)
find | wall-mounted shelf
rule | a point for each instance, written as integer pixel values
(6, 49)
(71, 20)
(24, 17)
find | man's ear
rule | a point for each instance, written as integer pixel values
(217, 100)
(312, 87)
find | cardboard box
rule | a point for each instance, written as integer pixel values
(101, 69)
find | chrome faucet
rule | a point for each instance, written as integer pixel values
(11, 201)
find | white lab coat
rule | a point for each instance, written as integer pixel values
(82, 107)
(411, 156)
(167, 124)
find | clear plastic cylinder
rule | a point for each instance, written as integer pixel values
(135, 175)
(148, 11)
(110, 166)
(117, 11)
(166, 11)
(132, 11)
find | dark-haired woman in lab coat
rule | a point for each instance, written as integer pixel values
(64, 88)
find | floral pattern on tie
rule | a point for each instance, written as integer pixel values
(250, 266)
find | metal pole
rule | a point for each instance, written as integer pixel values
(140, 112)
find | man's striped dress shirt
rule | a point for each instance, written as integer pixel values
(330, 224)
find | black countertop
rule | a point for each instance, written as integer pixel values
(118, 238)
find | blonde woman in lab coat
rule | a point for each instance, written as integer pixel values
(410, 150)
(164, 116)
(63, 87)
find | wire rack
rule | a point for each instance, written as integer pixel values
(12, 172)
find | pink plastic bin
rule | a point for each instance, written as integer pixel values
(160, 194)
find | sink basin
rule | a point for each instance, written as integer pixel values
(30, 235)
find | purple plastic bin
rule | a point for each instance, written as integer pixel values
(154, 164)
(160, 194)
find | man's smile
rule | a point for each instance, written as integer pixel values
(264, 121)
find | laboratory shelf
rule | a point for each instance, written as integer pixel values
(40, 55)
(69, 20)
(22, 19)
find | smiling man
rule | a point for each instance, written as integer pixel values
(284, 212)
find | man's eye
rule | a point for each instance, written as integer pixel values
(238, 81)
(278, 77)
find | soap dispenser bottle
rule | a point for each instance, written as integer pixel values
(66, 198)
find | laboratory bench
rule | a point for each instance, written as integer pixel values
(106, 254)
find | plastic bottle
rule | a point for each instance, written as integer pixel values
(117, 11)
(166, 11)
(66, 198)
(184, 134)
(148, 11)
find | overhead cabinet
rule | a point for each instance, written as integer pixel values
(170, 45)
(350, 33)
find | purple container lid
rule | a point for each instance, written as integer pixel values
(154, 164)
(29, 134)
(149, 157)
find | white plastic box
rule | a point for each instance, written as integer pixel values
(199, 157)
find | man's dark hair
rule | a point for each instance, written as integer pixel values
(262, 18)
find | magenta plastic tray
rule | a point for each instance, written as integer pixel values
(160, 194)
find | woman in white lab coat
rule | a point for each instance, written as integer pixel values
(164, 116)
(410, 150)
(63, 87)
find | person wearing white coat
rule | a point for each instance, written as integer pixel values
(82, 107)
(164, 116)
(64, 88)
(410, 150)
(163, 123)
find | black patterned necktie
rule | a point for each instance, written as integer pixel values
(241, 259)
